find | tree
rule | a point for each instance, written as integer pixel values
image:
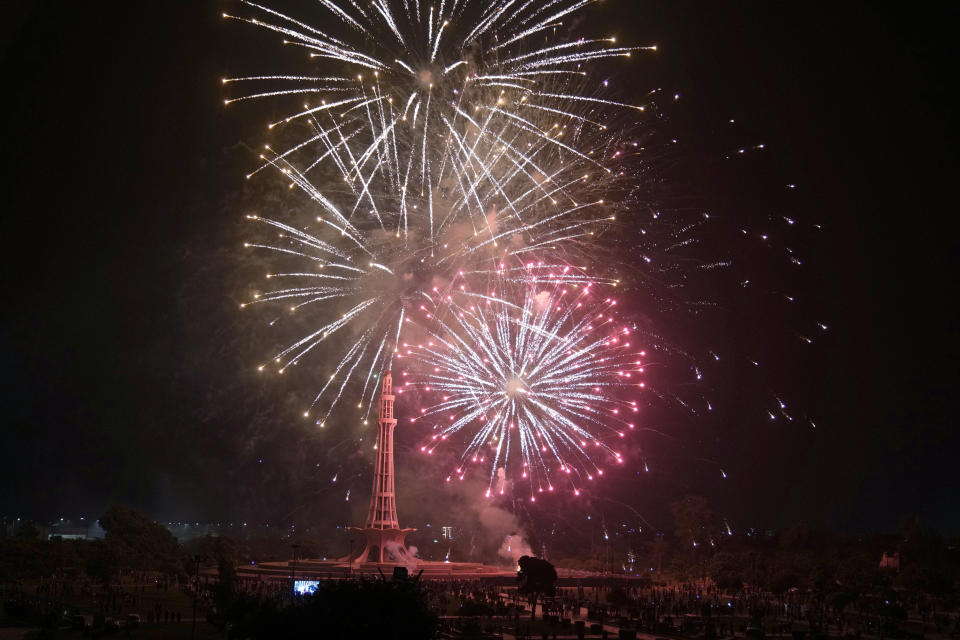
(26, 557)
(134, 541)
(696, 526)
(101, 562)
(536, 578)
(783, 579)
(796, 537)
(27, 531)
(726, 570)
(858, 572)
(910, 527)
(840, 600)
(694, 520)
(754, 565)
(225, 552)
(617, 597)
(221, 549)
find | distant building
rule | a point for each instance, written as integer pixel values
(73, 530)
(890, 561)
(184, 531)
(446, 532)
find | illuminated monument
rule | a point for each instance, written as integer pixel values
(384, 540)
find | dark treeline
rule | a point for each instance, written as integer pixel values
(910, 571)
(700, 548)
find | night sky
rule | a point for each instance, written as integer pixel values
(126, 370)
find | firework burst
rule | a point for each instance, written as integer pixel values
(437, 142)
(466, 115)
(456, 160)
(548, 385)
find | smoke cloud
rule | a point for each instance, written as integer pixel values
(514, 547)
(482, 524)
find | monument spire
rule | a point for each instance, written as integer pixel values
(382, 532)
(383, 499)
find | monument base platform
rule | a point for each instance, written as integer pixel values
(316, 569)
(382, 546)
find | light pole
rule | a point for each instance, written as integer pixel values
(196, 595)
(350, 570)
(293, 570)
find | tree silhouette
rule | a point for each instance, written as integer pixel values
(694, 520)
(134, 541)
(536, 578)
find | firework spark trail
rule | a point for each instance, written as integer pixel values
(547, 378)
(442, 151)
(445, 97)
(456, 152)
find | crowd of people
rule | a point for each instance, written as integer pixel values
(694, 609)
(711, 611)
(145, 593)
(701, 610)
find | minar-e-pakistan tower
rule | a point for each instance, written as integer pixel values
(383, 537)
